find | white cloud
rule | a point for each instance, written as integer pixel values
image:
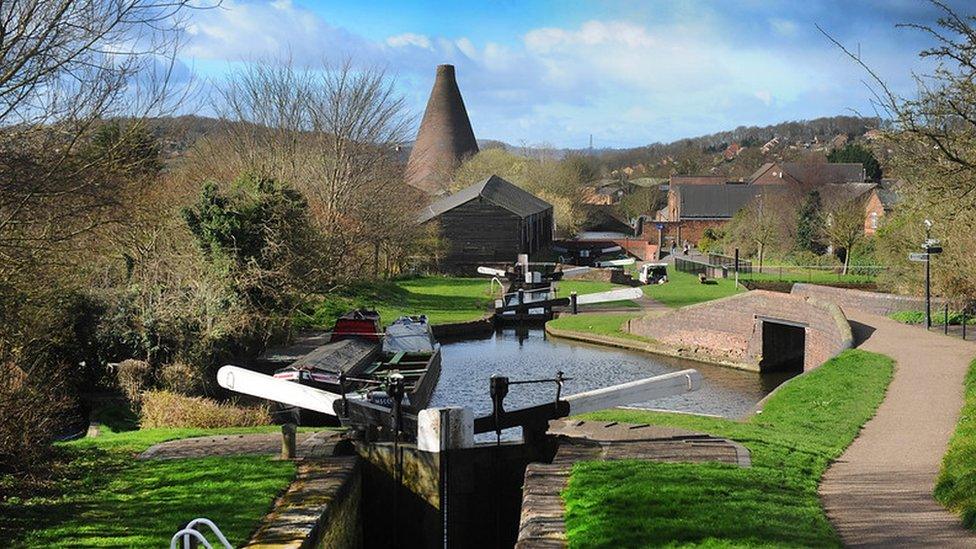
(634, 82)
(783, 27)
(409, 39)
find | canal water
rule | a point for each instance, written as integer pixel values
(531, 354)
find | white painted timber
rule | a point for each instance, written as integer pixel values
(491, 272)
(575, 271)
(642, 390)
(286, 392)
(612, 295)
(440, 429)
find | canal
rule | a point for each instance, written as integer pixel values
(531, 354)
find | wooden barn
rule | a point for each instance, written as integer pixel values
(490, 222)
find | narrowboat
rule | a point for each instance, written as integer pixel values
(366, 356)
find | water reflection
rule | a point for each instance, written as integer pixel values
(529, 354)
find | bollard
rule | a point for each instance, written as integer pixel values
(572, 302)
(945, 327)
(288, 431)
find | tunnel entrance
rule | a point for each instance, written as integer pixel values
(783, 344)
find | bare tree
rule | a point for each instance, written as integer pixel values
(333, 132)
(844, 227)
(66, 65)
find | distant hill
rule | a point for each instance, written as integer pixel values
(695, 155)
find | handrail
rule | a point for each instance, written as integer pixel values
(188, 531)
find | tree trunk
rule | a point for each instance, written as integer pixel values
(847, 260)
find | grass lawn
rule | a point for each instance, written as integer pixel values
(956, 486)
(804, 426)
(685, 289)
(443, 299)
(100, 496)
(801, 274)
(608, 324)
(938, 317)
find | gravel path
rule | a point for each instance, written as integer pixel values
(879, 492)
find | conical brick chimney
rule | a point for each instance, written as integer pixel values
(445, 138)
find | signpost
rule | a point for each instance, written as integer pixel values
(931, 246)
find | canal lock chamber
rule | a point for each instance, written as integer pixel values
(469, 497)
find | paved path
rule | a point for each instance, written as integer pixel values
(309, 445)
(879, 493)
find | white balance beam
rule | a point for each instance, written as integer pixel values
(642, 390)
(612, 295)
(279, 390)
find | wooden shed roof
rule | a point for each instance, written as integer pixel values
(494, 189)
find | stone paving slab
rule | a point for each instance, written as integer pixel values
(300, 515)
(309, 445)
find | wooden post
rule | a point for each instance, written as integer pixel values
(572, 302)
(288, 432)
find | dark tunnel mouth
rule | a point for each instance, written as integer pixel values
(783, 345)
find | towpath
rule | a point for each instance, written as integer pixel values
(879, 492)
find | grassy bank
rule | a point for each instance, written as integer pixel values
(608, 324)
(98, 495)
(443, 299)
(685, 289)
(805, 425)
(938, 316)
(956, 486)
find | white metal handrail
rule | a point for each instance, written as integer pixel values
(188, 531)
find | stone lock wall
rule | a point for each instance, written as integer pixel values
(729, 330)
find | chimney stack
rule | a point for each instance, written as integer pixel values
(445, 138)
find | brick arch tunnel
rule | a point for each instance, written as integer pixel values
(756, 330)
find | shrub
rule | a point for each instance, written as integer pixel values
(180, 378)
(33, 409)
(166, 409)
(134, 377)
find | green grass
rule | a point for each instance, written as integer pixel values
(100, 496)
(443, 299)
(918, 317)
(804, 426)
(812, 276)
(956, 486)
(608, 324)
(685, 289)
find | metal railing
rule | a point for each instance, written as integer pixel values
(813, 273)
(189, 534)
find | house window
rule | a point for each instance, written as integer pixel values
(874, 220)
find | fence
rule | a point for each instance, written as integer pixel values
(856, 274)
(720, 260)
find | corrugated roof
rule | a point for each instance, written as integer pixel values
(715, 201)
(494, 189)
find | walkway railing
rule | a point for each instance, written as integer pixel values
(189, 533)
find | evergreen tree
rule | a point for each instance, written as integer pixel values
(809, 225)
(856, 153)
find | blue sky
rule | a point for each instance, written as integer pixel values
(629, 73)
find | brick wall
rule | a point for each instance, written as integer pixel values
(872, 302)
(730, 330)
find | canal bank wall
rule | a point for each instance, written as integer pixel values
(742, 329)
(644, 345)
